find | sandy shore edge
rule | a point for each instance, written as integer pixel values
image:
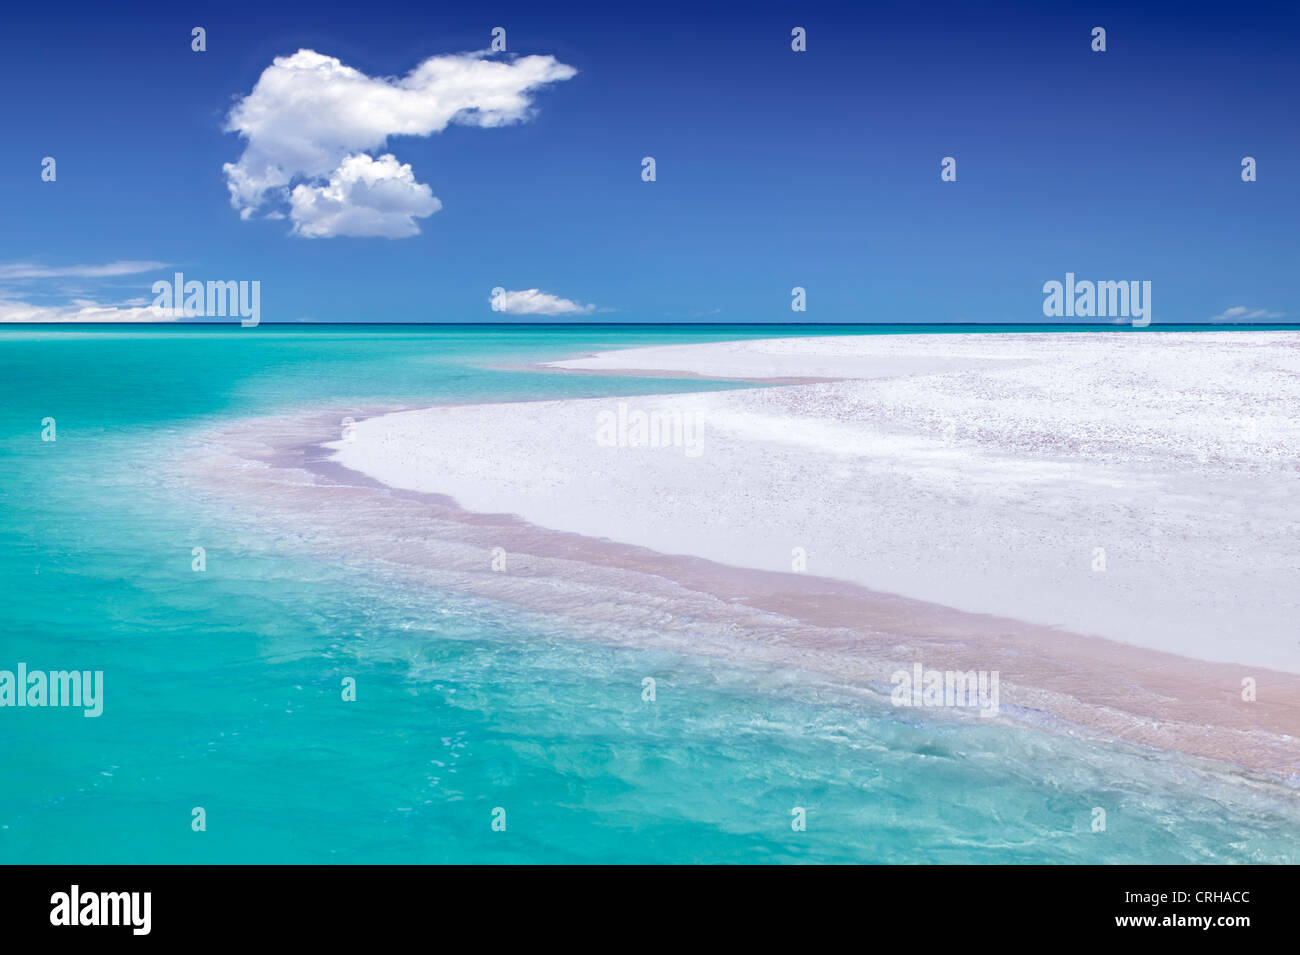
(1050, 679)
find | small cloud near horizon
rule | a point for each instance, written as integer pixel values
(79, 308)
(1242, 313)
(535, 302)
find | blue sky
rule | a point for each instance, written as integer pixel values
(774, 168)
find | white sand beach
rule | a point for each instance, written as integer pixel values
(1137, 487)
(935, 500)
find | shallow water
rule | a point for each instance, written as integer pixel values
(223, 688)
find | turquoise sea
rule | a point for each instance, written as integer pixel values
(222, 689)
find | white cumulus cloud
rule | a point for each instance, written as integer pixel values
(311, 123)
(535, 302)
(364, 197)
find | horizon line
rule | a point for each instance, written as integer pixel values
(1106, 326)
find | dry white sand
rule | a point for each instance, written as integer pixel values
(987, 473)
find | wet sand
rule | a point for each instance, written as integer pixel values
(844, 633)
